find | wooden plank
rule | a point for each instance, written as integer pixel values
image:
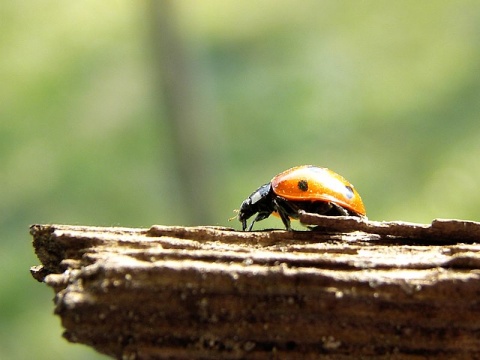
(208, 292)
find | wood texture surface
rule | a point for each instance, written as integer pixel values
(390, 291)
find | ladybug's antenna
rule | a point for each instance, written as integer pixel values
(236, 211)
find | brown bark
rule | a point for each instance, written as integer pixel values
(392, 291)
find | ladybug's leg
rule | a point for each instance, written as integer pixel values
(244, 224)
(284, 209)
(341, 210)
(285, 220)
(260, 216)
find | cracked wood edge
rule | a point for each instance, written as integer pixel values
(439, 230)
(212, 292)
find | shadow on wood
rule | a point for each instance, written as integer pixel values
(391, 291)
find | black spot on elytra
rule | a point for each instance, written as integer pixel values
(303, 185)
(349, 192)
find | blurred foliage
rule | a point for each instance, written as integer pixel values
(385, 93)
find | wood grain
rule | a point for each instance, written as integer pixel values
(355, 289)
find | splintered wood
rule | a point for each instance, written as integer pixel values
(389, 291)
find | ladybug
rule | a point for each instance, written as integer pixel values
(309, 188)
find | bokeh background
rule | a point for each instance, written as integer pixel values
(133, 113)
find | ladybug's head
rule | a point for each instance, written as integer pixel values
(260, 201)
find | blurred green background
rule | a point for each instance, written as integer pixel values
(127, 113)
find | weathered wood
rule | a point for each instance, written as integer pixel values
(441, 230)
(410, 292)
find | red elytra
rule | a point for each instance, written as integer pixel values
(311, 183)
